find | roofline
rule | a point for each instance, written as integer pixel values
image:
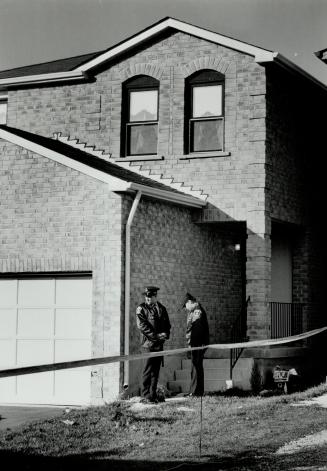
(289, 65)
(181, 26)
(261, 56)
(70, 75)
(115, 184)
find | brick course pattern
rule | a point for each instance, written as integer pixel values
(235, 183)
(251, 184)
(56, 219)
(170, 251)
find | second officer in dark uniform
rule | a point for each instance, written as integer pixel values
(197, 335)
(153, 322)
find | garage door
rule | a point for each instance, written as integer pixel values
(45, 320)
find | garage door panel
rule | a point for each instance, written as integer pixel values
(73, 385)
(73, 323)
(34, 352)
(35, 322)
(35, 386)
(7, 389)
(7, 354)
(34, 292)
(8, 293)
(73, 293)
(7, 322)
(45, 320)
(66, 350)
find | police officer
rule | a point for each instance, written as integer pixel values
(153, 322)
(197, 334)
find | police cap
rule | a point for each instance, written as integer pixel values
(151, 291)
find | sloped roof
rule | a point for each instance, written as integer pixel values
(83, 67)
(118, 178)
(60, 65)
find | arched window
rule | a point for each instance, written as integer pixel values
(204, 112)
(140, 112)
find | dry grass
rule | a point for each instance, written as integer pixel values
(238, 433)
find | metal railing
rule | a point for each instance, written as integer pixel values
(286, 319)
(238, 334)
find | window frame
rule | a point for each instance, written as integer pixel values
(139, 83)
(197, 80)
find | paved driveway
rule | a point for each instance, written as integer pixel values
(14, 416)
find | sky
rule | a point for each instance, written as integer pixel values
(34, 31)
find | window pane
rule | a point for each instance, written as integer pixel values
(142, 139)
(3, 112)
(143, 105)
(206, 135)
(207, 101)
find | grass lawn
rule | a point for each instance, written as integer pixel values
(238, 433)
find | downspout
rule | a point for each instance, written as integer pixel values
(128, 282)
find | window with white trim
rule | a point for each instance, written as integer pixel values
(204, 112)
(140, 115)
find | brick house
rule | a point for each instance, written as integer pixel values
(179, 157)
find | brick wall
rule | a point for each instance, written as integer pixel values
(56, 219)
(235, 183)
(170, 251)
(295, 181)
(74, 110)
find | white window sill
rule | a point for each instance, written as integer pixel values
(205, 155)
(135, 158)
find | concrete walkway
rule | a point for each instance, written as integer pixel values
(315, 401)
(15, 416)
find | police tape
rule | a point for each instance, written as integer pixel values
(140, 356)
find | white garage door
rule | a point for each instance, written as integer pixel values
(45, 320)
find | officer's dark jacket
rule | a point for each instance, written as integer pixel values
(152, 321)
(197, 329)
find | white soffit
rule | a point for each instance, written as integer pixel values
(43, 78)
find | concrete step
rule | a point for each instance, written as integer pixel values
(210, 385)
(209, 373)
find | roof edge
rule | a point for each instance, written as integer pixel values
(261, 55)
(289, 65)
(182, 26)
(115, 184)
(170, 197)
(24, 80)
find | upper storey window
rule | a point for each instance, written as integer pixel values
(3, 110)
(140, 116)
(204, 107)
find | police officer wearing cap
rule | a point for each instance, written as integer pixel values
(197, 334)
(153, 322)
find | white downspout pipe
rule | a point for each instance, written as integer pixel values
(128, 283)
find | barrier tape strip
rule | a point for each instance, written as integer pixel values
(114, 359)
